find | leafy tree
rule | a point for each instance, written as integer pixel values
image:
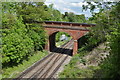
(71, 17)
(15, 44)
(37, 34)
(19, 38)
(108, 21)
(81, 18)
(111, 65)
(21, 32)
(32, 13)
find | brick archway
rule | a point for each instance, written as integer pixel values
(75, 30)
(75, 34)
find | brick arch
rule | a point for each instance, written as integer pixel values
(75, 34)
(51, 38)
(61, 31)
(75, 30)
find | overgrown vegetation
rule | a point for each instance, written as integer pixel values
(108, 21)
(19, 39)
(22, 37)
(111, 66)
(13, 72)
(72, 70)
(107, 29)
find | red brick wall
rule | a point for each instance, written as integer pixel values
(75, 34)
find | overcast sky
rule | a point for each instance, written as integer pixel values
(74, 6)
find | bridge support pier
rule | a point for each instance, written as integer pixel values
(47, 46)
(50, 43)
(75, 47)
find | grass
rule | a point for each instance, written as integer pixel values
(0, 76)
(13, 72)
(0, 67)
(73, 71)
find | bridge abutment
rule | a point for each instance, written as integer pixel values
(50, 45)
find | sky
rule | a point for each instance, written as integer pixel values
(74, 6)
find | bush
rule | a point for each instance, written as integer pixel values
(19, 40)
(16, 45)
(38, 39)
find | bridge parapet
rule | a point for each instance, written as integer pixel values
(67, 25)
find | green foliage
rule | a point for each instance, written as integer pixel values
(60, 43)
(111, 65)
(15, 44)
(72, 71)
(37, 34)
(33, 11)
(71, 17)
(102, 6)
(107, 29)
(55, 14)
(58, 35)
(13, 72)
(20, 36)
(16, 47)
(19, 39)
(76, 73)
(108, 21)
(87, 43)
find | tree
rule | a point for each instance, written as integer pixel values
(108, 21)
(16, 45)
(19, 38)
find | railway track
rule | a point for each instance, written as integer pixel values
(48, 66)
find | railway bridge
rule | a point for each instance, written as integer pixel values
(75, 30)
(49, 66)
